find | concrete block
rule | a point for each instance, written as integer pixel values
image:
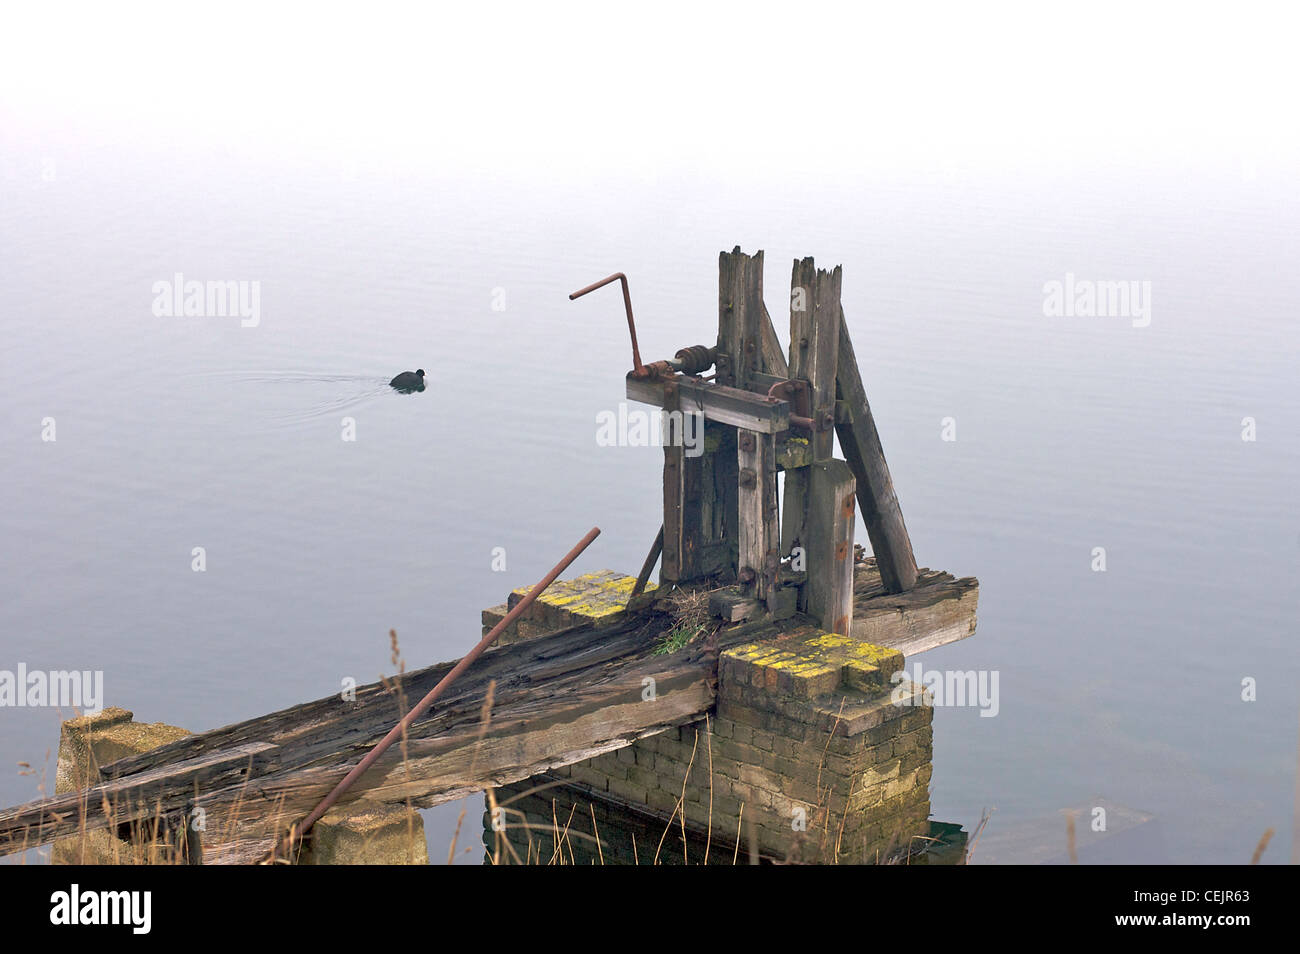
(361, 834)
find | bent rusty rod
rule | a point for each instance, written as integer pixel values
(297, 831)
(637, 366)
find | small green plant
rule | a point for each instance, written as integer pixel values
(677, 637)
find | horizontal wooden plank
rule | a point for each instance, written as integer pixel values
(938, 610)
(727, 405)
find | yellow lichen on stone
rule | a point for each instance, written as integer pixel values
(817, 663)
(588, 597)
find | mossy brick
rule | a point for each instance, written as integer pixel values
(659, 800)
(592, 597)
(912, 761)
(644, 777)
(629, 791)
(904, 783)
(667, 767)
(804, 790)
(726, 812)
(917, 718)
(730, 749)
(745, 715)
(862, 677)
(811, 664)
(591, 777)
(645, 755)
(915, 740)
(626, 755)
(867, 798)
(905, 801)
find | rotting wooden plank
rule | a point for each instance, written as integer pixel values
(860, 442)
(938, 610)
(759, 534)
(828, 594)
(716, 402)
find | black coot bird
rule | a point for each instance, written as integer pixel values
(409, 381)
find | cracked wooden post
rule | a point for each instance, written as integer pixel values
(815, 519)
(829, 531)
(741, 317)
(742, 342)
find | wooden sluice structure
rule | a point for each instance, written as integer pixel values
(792, 679)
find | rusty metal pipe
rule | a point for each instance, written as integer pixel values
(627, 304)
(650, 560)
(297, 831)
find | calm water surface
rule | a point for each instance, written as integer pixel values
(1072, 433)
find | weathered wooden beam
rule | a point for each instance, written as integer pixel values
(814, 344)
(726, 405)
(740, 317)
(828, 594)
(759, 536)
(721, 512)
(683, 487)
(938, 610)
(860, 443)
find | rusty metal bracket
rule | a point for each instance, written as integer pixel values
(798, 393)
